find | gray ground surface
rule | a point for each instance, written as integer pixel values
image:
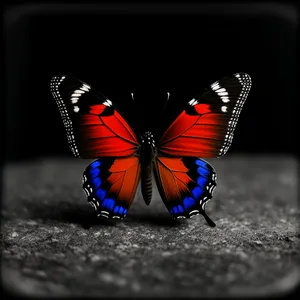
(52, 246)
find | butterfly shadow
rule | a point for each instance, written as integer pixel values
(88, 219)
(85, 217)
(65, 212)
(80, 213)
(153, 219)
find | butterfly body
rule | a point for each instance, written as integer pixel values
(96, 130)
(147, 156)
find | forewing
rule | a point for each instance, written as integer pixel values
(206, 127)
(93, 125)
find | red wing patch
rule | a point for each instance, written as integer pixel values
(105, 135)
(173, 176)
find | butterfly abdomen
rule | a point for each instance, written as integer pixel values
(146, 183)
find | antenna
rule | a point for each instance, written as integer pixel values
(166, 104)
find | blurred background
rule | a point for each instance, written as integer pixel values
(149, 50)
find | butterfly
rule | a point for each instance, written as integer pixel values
(95, 129)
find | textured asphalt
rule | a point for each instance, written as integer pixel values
(52, 246)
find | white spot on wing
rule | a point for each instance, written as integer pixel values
(224, 108)
(215, 86)
(102, 215)
(107, 102)
(74, 100)
(193, 102)
(86, 86)
(193, 211)
(86, 191)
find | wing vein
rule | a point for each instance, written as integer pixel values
(121, 137)
(173, 174)
(175, 137)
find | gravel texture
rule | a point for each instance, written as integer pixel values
(52, 246)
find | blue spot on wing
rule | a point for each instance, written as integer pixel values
(100, 193)
(108, 203)
(116, 209)
(180, 209)
(176, 209)
(94, 172)
(125, 211)
(202, 181)
(203, 172)
(201, 163)
(96, 182)
(121, 210)
(95, 164)
(188, 202)
(197, 192)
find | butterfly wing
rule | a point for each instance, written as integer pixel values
(185, 185)
(206, 127)
(93, 125)
(110, 185)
